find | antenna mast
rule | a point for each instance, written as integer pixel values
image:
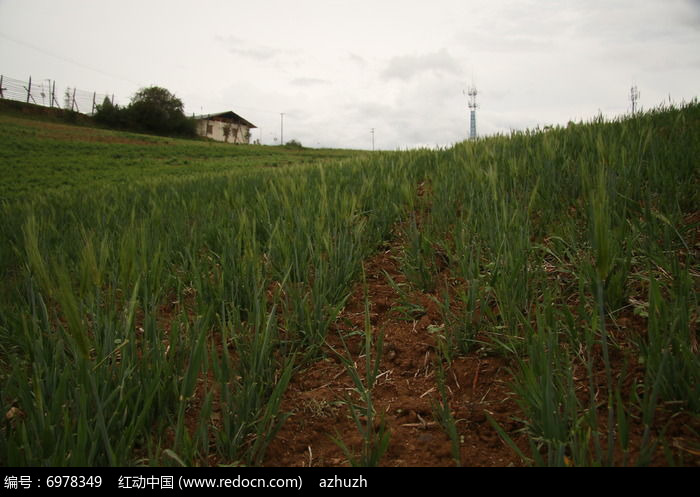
(471, 93)
(634, 96)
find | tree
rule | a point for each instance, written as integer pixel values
(152, 110)
(110, 115)
(157, 110)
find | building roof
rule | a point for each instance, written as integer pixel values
(229, 114)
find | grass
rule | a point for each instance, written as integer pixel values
(370, 424)
(38, 157)
(159, 294)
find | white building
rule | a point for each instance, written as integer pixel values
(226, 127)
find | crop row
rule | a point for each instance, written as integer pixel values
(128, 312)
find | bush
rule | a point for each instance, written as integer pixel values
(110, 115)
(294, 144)
(152, 110)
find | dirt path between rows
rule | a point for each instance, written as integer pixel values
(405, 391)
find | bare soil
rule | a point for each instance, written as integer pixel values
(404, 394)
(479, 384)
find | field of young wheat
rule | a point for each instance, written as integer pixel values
(526, 299)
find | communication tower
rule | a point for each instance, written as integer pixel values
(471, 93)
(634, 96)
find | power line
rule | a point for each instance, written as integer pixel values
(43, 92)
(70, 61)
(105, 73)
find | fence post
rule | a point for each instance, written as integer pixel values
(94, 95)
(53, 95)
(1, 88)
(29, 89)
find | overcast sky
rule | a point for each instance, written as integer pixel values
(336, 68)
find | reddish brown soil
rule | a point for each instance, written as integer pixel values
(404, 394)
(478, 384)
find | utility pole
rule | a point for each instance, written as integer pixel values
(281, 128)
(53, 95)
(372, 139)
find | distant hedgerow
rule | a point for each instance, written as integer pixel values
(152, 110)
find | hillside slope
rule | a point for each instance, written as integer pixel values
(527, 299)
(38, 154)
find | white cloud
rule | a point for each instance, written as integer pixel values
(306, 82)
(244, 48)
(405, 67)
(338, 69)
